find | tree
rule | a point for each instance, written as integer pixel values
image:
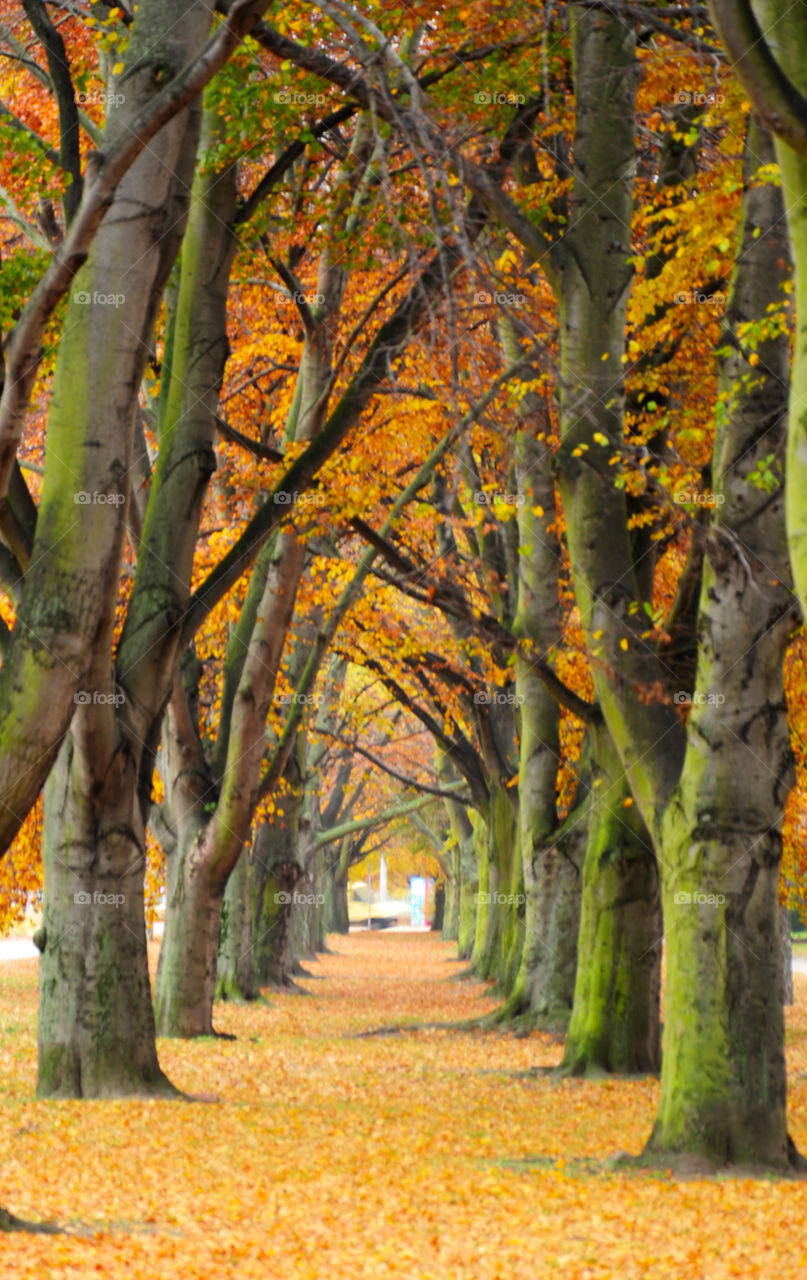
(718, 1100)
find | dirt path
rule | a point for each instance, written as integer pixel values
(330, 1157)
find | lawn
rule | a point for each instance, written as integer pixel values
(319, 1154)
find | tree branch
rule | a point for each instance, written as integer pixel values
(393, 773)
(65, 94)
(775, 98)
(24, 350)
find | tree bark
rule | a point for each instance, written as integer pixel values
(96, 1025)
(615, 1023)
(235, 971)
(277, 874)
(714, 815)
(96, 1036)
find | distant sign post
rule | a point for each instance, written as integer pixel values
(417, 900)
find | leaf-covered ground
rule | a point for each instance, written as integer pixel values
(333, 1157)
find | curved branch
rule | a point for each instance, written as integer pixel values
(25, 344)
(775, 97)
(65, 94)
(393, 773)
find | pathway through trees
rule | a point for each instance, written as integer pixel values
(332, 1154)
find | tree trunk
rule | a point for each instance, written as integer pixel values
(542, 996)
(541, 985)
(337, 919)
(96, 1025)
(276, 876)
(463, 884)
(723, 1081)
(469, 894)
(451, 905)
(500, 912)
(96, 1036)
(341, 921)
(439, 908)
(615, 1024)
(235, 971)
(186, 973)
(714, 814)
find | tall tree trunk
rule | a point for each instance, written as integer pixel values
(469, 894)
(277, 875)
(235, 971)
(500, 898)
(542, 997)
(714, 815)
(96, 1036)
(96, 1025)
(461, 914)
(541, 991)
(723, 1074)
(615, 1023)
(450, 927)
(336, 869)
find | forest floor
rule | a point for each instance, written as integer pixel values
(328, 1155)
